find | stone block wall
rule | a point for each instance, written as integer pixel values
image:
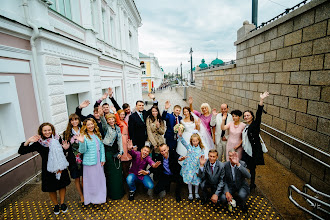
(290, 58)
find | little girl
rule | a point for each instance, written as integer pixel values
(91, 146)
(191, 163)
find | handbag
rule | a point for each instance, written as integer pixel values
(263, 145)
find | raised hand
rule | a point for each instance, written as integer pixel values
(151, 96)
(198, 122)
(235, 158)
(180, 132)
(182, 158)
(113, 109)
(190, 100)
(167, 104)
(264, 95)
(100, 110)
(202, 160)
(129, 144)
(224, 116)
(155, 165)
(143, 172)
(32, 139)
(105, 95)
(81, 138)
(214, 112)
(65, 145)
(110, 92)
(84, 104)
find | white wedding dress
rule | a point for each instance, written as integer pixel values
(190, 128)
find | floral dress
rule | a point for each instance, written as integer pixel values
(190, 165)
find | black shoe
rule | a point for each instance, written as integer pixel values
(57, 209)
(64, 208)
(178, 198)
(131, 195)
(252, 186)
(244, 208)
(203, 201)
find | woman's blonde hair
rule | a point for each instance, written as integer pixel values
(207, 106)
(96, 130)
(110, 115)
(199, 139)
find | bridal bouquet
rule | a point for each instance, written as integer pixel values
(177, 126)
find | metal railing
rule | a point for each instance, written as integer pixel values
(314, 202)
(287, 11)
(296, 148)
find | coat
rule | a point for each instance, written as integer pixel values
(111, 134)
(173, 164)
(137, 129)
(215, 178)
(155, 135)
(170, 123)
(89, 149)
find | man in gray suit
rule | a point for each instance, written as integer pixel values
(211, 172)
(234, 180)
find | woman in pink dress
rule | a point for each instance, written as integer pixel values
(235, 133)
(126, 157)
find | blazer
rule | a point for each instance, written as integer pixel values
(213, 179)
(155, 135)
(137, 128)
(216, 121)
(253, 135)
(89, 149)
(111, 134)
(170, 123)
(175, 167)
(241, 173)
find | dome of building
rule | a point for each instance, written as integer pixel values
(203, 65)
(217, 62)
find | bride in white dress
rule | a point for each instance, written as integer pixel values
(192, 124)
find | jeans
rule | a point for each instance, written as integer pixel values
(132, 179)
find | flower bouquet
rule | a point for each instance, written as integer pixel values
(177, 126)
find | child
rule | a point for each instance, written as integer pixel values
(74, 157)
(55, 175)
(190, 165)
(171, 121)
(94, 158)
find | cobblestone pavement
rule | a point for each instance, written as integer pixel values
(269, 201)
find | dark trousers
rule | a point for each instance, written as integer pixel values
(208, 190)
(171, 143)
(164, 183)
(241, 193)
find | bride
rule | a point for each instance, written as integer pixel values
(192, 124)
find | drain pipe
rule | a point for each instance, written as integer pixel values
(35, 35)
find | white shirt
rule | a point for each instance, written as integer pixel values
(233, 170)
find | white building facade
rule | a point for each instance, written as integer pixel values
(152, 74)
(54, 56)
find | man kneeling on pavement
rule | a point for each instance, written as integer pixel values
(224, 179)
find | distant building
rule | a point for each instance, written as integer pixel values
(52, 57)
(152, 74)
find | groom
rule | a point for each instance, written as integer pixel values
(171, 121)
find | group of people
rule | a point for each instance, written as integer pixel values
(101, 151)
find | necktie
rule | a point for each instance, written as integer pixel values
(176, 120)
(223, 132)
(212, 168)
(141, 116)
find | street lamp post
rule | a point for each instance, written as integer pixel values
(191, 66)
(181, 74)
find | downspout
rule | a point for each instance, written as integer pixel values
(35, 35)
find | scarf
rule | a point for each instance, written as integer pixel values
(56, 158)
(245, 141)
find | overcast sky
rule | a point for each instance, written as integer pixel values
(171, 27)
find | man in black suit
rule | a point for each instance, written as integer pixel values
(137, 125)
(169, 171)
(235, 180)
(211, 172)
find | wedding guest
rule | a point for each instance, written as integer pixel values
(138, 172)
(205, 114)
(171, 120)
(155, 130)
(253, 153)
(94, 116)
(235, 133)
(91, 146)
(169, 171)
(74, 157)
(235, 180)
(126, 157)
(127, 110)
(137, 125)
(221, 136)
(55, 176)
(105, 107)
(211, 172)
(113, 152)
(190, 165)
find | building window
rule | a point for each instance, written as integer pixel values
(112, 31)
(72, 101)
(104, 24)
(63, 7)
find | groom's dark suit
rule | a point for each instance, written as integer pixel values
(137, 129)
